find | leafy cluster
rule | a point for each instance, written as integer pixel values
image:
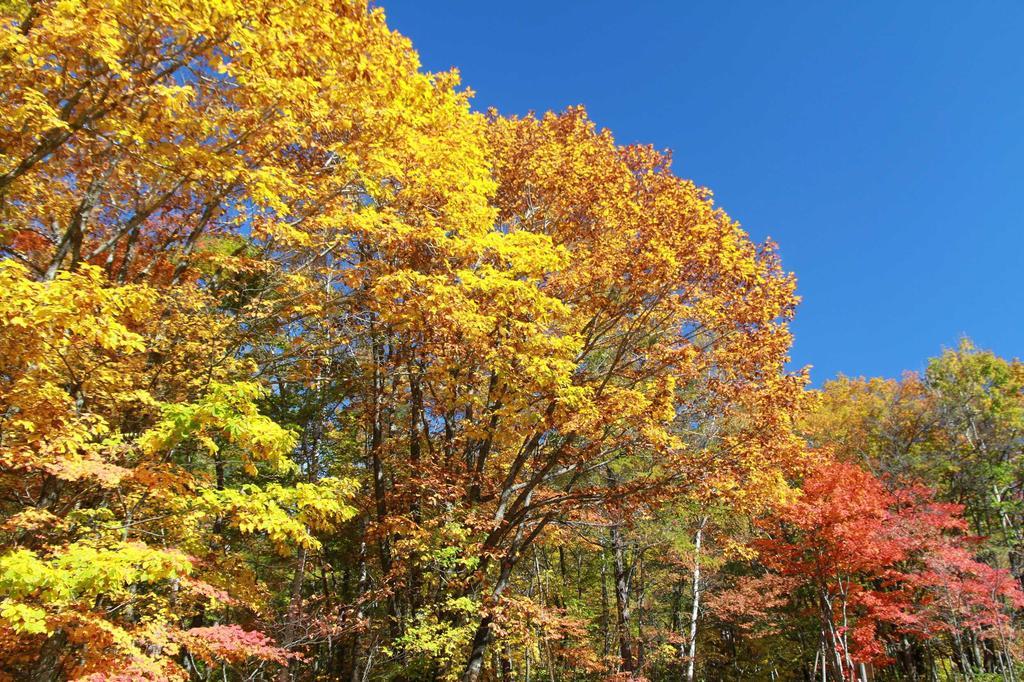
(309, 371)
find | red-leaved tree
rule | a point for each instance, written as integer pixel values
(884, 566)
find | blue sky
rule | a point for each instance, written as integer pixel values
(880, 143)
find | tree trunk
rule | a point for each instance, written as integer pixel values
(621, 567)
(605, 610)
(354, 673)
(48, 667)
(482, 636)
(691, 656)
(831, 644)
(294, 611)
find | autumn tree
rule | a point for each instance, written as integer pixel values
(162, 167)
(957, 427)
(890, 575)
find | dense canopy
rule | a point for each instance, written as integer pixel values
(309, 371)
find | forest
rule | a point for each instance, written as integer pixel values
(310, 371)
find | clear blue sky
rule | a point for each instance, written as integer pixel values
(880, 143)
